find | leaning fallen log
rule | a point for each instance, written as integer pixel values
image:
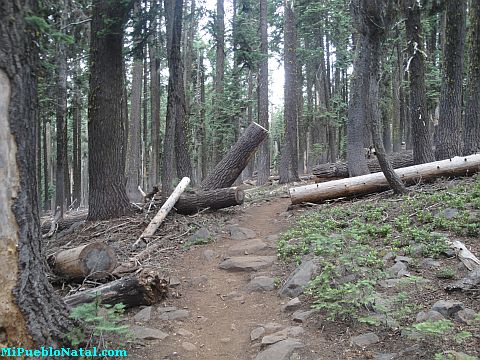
(212, 199)
(340, 169)
(231, 166)
(95, 260)
(144, 288)
(371, 183)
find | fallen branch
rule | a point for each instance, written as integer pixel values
(164, 210)
(465, 255)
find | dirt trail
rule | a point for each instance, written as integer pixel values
(221, 313)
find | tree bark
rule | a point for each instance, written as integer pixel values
(77, 138)
(340, 169)
(288, 170)
(471, 134)
(371, 183)
(450, 134)
(421, 138)
(213, 199)
(145, 288)
(231, 166)
(25, 322)
(263, 171)
(107, 195)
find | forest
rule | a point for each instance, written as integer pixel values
(143, 141)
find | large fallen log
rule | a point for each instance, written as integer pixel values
(237, 158)
(212, 199)
(144, 288)
(366, 184)
(95, 260)
(340, 169)
(65, 223)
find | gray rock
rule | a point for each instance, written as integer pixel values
(380, 356)
(273, 327)
(472, 280)
(302, 315)
(189, 346)
(404, 259)
(450, 213)
(364, 340)
(199, 280)
(246, 247)
(240, 233)
(145, 333)
(459, 355)
(174, 315)
(298, 279)
(257, 333)
(388, 256)
(143, 315)
(429, 263)
(234, 295)
(397, 268)
(260, 283)
(447, 308)
(200, 234)
(386, 320)
(412, 334)
(291, 331)
(466, 316)
(431, 315)
(174, 281)
(292, 305)
(185, 333)
(280, 350)
(389, 283)
(247, 263)
(162, 309)
(272, 238)
(449, 253)
(273, 338)
(209, 255)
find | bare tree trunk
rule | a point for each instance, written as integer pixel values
(396, 83)
(450, 132)
(471, 133)
(263, 171)
(46, 165)
(289, 154)
(25, 322)
(77, 139)
(106, 113)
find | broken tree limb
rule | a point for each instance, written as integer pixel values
(164, 210)
(213, 199)
(340, 169)
(143, 288)
(371, 183)
(465, 255)
(231, 166)
(95, 260)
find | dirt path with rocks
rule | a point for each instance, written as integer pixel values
(220, 313)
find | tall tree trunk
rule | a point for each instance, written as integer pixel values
(61, 118)
(26, 322)
(471, 133)
(450, 134)
(134, 138)
(46, 165)
(106, 162)
(219, 82)
(145, 147)
(263, 171)
(154, 104)
(289, 154)
(396, 84)
(421, 139)
(77, 138)
(357, 163)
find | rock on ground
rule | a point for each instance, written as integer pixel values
(145, 333)
(247, 263)
(280, 350)
(364, 340)
(447, 308)
(240, 233)
(246, 247)
(299, 278)
(260, 283)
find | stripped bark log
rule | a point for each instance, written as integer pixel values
(465, 255)
(144, 288)
(340, 169)
(366, 184)
(231, 166)
(213, 199)
(164, 210)
(94, 260)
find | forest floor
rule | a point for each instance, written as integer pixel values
(217, 313)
